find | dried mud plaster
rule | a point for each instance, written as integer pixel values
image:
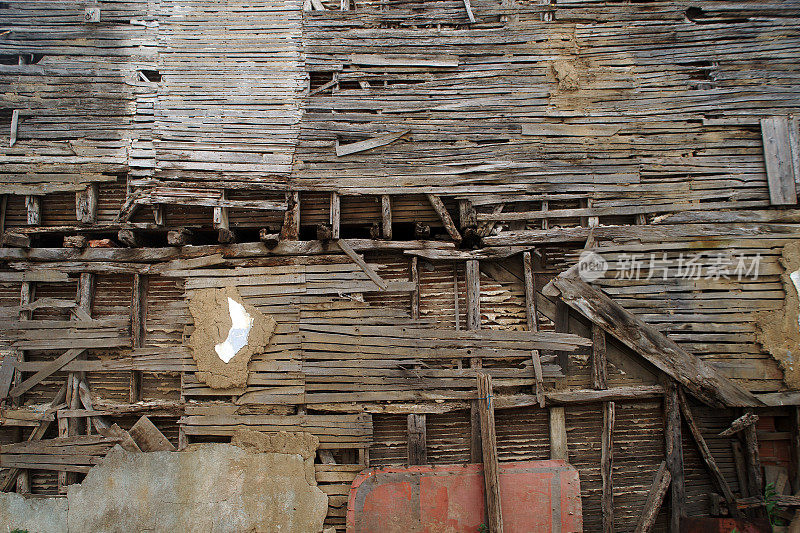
(779, 331)
(211, 311)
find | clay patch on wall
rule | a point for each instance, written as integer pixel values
(227, 333)
(779, 331)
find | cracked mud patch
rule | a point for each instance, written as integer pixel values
(228, 332)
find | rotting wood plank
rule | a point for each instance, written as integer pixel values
(655, 498)
(705, 453)
(703, 380)
(357, 259)
(445, 217)
(369, 144)
(674, 451)
(491, 468)
(417, 442)
(606, 464)
(778, 159)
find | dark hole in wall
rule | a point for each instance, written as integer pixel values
(14, 59)
(151, 75)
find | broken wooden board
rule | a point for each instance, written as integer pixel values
(149, 438)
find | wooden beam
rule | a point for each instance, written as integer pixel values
(753, 460)
(14, 128)
(369, 144)
(138, 309)
(674, 450)
(415, 294)
(468, 7)
(599, 365)
(221, 217)
(417, 447)
(702, 379)
(778, 160)
(706, 454)
(158, 214)
(532, 317)
(86, 204)
(357, 259)
(578, 396)
(655, 498)
(606, 463)
(386, 216)
(148, 437)
(336, 216)
(558, 434)
(473, 282)
(291, 218)
(491, 468)
(444, 215)
(49, 370)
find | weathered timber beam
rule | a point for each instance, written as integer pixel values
(291, 218)
(655, 498)
(702, 379)
(532, 317)
(558, 434)
(357, 259)
(335, 218)
(674, 451)
(445, 217)
(706, 453)
(386, 216)
(747, 419)
(417, 447)
(369, 144)
(639, 392)
(491, 467)
(606, 463)
(49, 370)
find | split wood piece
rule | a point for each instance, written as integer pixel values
(606, 463)
(33, 205)
(221, 218)
(444, 215)
(269, 239)
(49, 370)
(655, 498)
(386, 216)
(674, 450)
(747, 419)
(16, 240)
(14, 128)
(415, 293)
(779, 159)
(86, 400)
(702, 379)
(148, 437)
(128, 238)
(532, 316)
(126, 441)
(369, 144)
(291, 218)
(11, 475)
(468, 7)
(335, 218)
(179, 237)
(158, 214)
(357, 259)
(741, 467)
(417, 446)
(138, 307)
(6, 374)
(47, 276)
(558, 434)
(706, 453)
(491, 468)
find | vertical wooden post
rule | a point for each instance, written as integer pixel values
(796, 448)
(27, 294)
(472, 282)
(336, 215)
(606, 463)
(138, 309)
(491, 468)
(558, 434)
(415, 281)
(33, 204)
(562, 326)
(533, 323)
(599, 365)
(674, 448)
(753, 459)
(291, 220)
(386, 216)
(221, 219)
(417, 446)
(86, 204)
(456, 297)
